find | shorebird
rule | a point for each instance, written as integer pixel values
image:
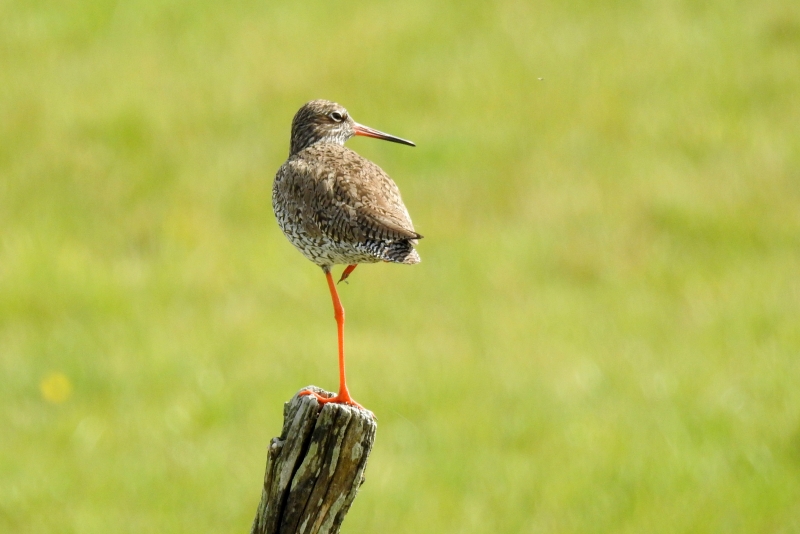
(338, 208)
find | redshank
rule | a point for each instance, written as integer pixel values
(338, 208)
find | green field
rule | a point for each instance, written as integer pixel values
(603, 335)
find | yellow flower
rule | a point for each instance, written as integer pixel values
(56, 388)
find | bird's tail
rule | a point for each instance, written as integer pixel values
(400, 251)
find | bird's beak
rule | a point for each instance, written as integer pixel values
(366, 131)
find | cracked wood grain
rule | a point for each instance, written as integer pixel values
(314, 468)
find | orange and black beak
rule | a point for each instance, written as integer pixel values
(366, 131)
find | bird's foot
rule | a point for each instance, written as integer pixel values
(349, 269)
(341, 398)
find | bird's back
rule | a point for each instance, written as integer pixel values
(339, 208)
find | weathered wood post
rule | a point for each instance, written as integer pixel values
(315, 467)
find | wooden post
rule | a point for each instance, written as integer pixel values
(315, 467)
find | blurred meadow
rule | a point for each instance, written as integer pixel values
(603, 335)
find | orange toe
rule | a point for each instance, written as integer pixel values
(338, 399)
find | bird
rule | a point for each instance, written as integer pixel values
(338, 208)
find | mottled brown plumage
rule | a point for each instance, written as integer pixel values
(338, 208)
(333, 205)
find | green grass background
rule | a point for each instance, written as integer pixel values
(603, 335)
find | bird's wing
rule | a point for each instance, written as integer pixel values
(352, 198)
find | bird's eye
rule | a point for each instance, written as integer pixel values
(335, 115)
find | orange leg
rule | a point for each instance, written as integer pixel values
(349, 269)
(343, 397)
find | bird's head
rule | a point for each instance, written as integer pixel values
(323, 121)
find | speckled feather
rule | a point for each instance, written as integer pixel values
(335, 206)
